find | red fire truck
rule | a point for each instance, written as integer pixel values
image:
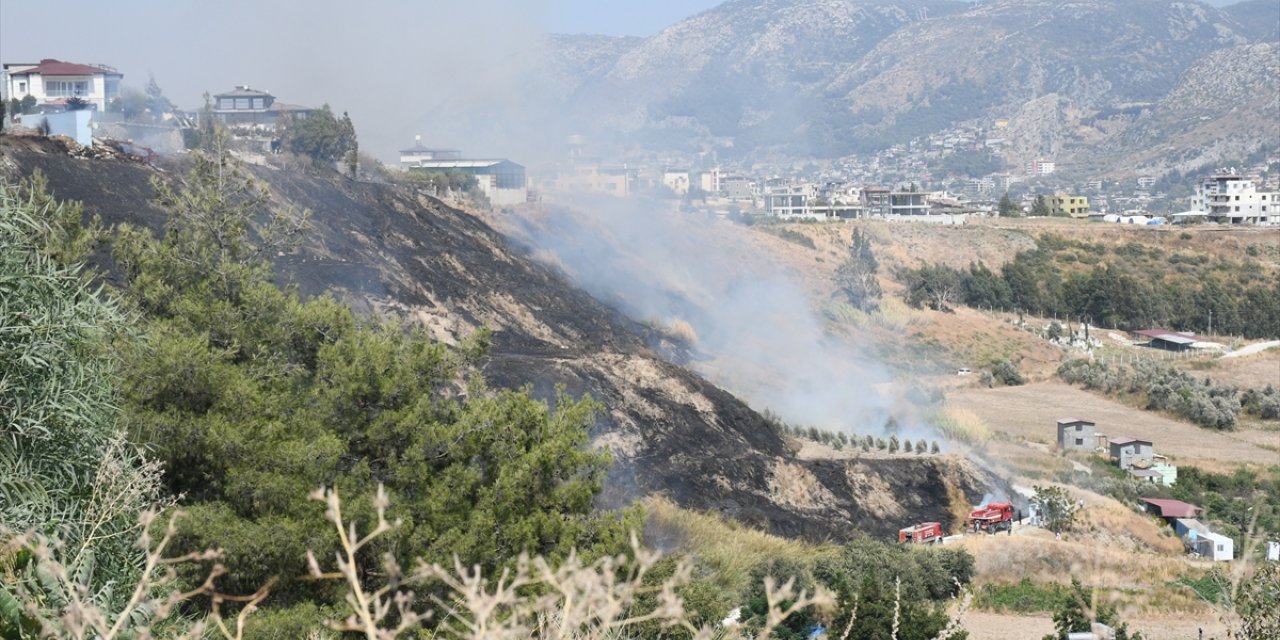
(923, 533)
(997, 516)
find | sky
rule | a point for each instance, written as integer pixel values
(401, 68)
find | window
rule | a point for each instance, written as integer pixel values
(22, 87)
(1079, 427)
(66, 88)
(257, 103)
(1079, 442)
(226, 103)
(242, 103)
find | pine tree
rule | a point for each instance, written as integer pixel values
(1007, 208)
(857, 276)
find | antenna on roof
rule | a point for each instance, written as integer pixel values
(417, 138)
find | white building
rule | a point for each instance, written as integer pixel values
(417, 154)
(1234, 199)
(676, 180)
(53, 82)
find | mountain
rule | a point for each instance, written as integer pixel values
(1259, 19)
(393, 250)
(830, 77)
(1223, 109)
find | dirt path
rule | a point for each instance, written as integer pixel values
(1252, 349)
(984, 625)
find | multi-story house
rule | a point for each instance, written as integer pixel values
(1234, 199)
(53, 82)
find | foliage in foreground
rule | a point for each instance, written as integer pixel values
(65, 471)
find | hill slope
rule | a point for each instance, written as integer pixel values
(394, 250)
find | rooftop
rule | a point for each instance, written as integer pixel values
(1171, 336)
(51, 67)
(1173, 508)
(459, 164)
(243, 91)
(1073, 421)
(1122, 440)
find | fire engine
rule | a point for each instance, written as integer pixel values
(994, 517)
(923, 533)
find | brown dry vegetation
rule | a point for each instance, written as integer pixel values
(1030, 412)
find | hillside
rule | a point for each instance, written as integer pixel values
(396, 251)
(829, 78)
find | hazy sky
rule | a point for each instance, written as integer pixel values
(400, 67)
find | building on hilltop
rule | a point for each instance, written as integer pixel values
(1132, 453)
(1061, 204)
(245, 106)
(503, 182)
(53, 82)
(1230, 198)
(418, 153)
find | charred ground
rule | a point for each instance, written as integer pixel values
(388, 249)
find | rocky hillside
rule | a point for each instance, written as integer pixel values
(821, 77)
(1222, 110)
(394, 250)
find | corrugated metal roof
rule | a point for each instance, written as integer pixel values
(1173, 508)
(1073, 421)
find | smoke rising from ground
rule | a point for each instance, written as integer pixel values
(753, 327)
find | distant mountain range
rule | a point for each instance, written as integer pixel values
(827, 78)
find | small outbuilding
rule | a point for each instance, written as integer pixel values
(1171, 510)
(1131, 453)
(1075, 434)
(1214, 546)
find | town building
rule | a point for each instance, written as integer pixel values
(1229, 198)
(1077, 435)
(245, 106)
(1131, 453)
(503, 182)
(790, 202)
(677, 180)
(908, 203)
(419, 153)
(875, 200)
(53, 82)
(1041, 167)
(590, 177)
(1061, 204)
(737, 188)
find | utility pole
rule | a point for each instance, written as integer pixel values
(1211, 322)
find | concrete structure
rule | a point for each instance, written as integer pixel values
(676, 180)
(1168, 472)
(52, 82)
(1204, 542)
(708, 181)
(875, 200)
(908, 203)
(1041, 167)
(76, 125)
(615, 180)
(1077, 435)
(737, 188)
(791, 202)
(1273, 551)
(418, 153)
(1062, 204)
(1233, 199)
(1131, 453)
(248, 107)
(503, 182)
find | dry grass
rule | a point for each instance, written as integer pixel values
(728, 548)
(1031, 412)
(961, 425)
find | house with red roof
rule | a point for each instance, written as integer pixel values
(52, 82)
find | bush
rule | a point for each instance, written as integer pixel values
(1006, 373)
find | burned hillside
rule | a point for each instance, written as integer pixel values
(392, 250)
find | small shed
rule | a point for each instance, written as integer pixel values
(1170, 510)
(1075, 434)
(1215, 546)
(1168, 340)
(1147, 475)
(1132, 453)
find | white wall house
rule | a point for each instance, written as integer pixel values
(52, 82)
(1234, 199)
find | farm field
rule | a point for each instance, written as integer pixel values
(1030, 412)
(986, 625)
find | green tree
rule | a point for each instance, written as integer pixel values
(252, 397)
(1058, 510)
(320, 135)
(1040, 208)
(1006, 373)
(1007, 208)
(76, 103)
(1081, 608)
(856, 277)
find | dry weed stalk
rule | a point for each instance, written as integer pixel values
(573, 601)
(78, 616)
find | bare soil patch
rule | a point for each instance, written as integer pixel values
(1030, 412)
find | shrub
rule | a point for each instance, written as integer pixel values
(1006, 373)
